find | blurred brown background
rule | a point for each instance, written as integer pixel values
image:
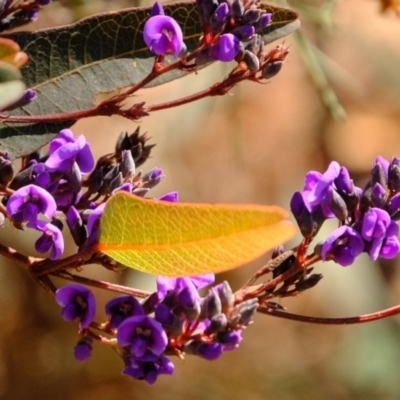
(253, 146)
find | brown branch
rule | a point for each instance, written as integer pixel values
(360, 319)
(102, 285)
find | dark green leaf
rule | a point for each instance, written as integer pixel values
(68, 66)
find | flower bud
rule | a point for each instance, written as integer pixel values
(308, 282)
(127, 166)
(211, 305)
(237, 9)
(251, 60)
(83, 349)
(226, 297)
(303, 215)
(394, 174)
(271, 69)
(251, 16)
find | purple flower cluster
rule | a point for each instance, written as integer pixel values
(230, 32)
(52, 190)
(368, 217)
(175, 320)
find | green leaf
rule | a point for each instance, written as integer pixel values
(69, 65)
(178, 239)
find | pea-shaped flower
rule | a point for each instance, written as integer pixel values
(78, 302)
(143, 335)
(227, 48)
(163, 35)
(26, 203)
(343, 246)
(51, 240)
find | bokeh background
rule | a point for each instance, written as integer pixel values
(252, 146)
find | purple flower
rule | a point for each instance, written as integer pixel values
(209, 351)
(121, 308)
(343, 246)
(227, 48)
(142, 334)
(390, 247)
(230, 339)
(381, 234)
(163, 35)
(77, 302)
(52, 239)
(65, 150)
(26, 203)
(374, 224)
(83, 349)
(149, 369)
(319, 186)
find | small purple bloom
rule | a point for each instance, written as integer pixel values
(230, 339)
(163, 35)
(321, 190)
(209, 351)
(121, 308)
(374, 224)
(26, 203)
(380, 232)
(65, 150)
(142, 334)
(227, 48)
(343, 181)
(148, 370)
(77, 302)
(390, 247)
(83, 349)
(52, 239)
(343, 246)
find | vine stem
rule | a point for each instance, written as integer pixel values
(108, 107)
(360, 319)
(102, 285)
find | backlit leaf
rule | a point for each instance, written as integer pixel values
(178, 239)
(69, 65)
(11, 86)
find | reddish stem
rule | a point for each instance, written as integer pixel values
(103, 285)
(360, 319)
